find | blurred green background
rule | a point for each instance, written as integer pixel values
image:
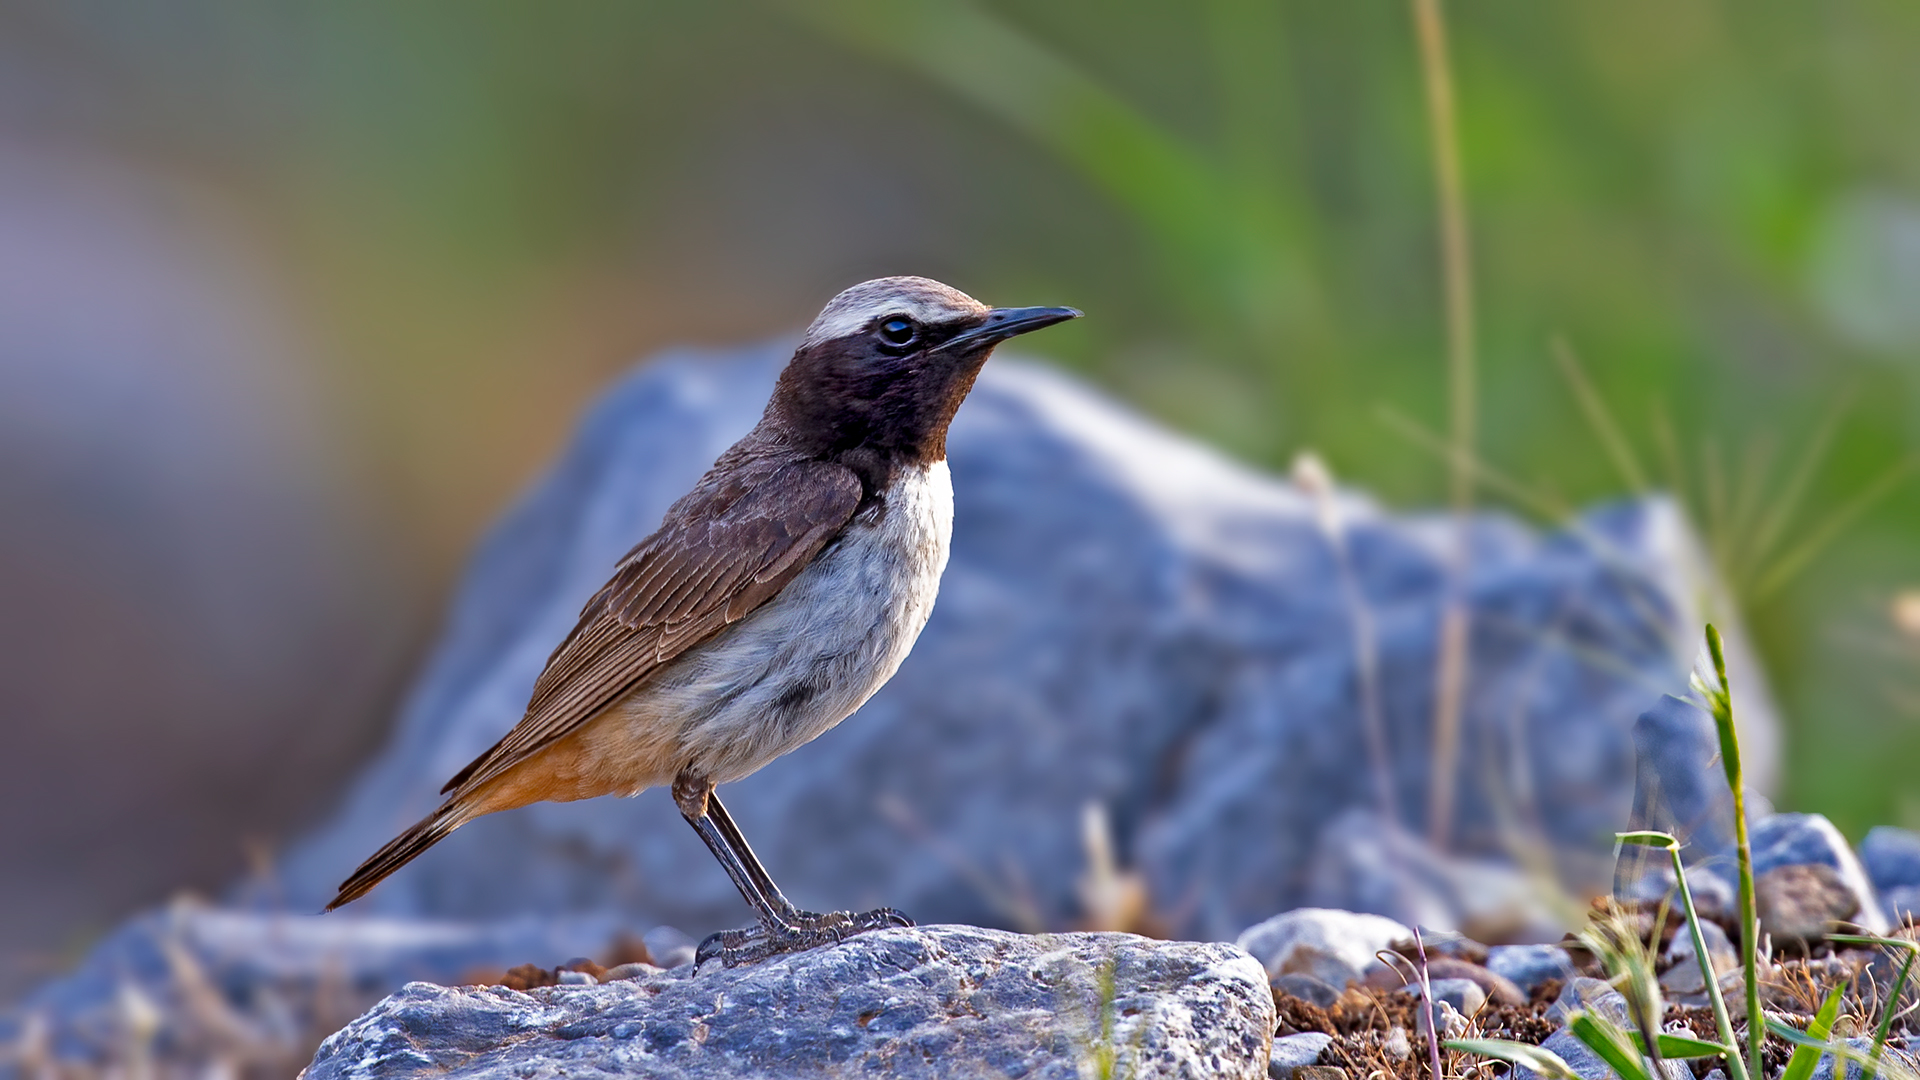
(472, 215)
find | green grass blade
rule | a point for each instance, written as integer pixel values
(1723, 1022)
(1886, 1018)
(1719, 700)
(1806, 1056)
(1538, 1058)
(1646, 838)
(1842, 1051)
(1682, 1046)
(1893, 1001)
(1614, 1047)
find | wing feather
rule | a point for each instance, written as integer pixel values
(705, 568)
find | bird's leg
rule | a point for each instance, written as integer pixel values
(835, 923)
(741, 850)
(782, 926)
(704, 812)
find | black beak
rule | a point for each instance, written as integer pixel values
(1005, 322)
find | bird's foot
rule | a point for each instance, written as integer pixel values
(805, 930)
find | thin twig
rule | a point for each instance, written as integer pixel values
(1599, 417)
(1426, 998)
(1456, 269)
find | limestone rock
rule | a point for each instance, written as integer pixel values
(1464, 995)
(1498, 989)
(1901, 903)
(926, 1002)
(1891, 856)
(1294, 1052)
(1588, 1064)
(1684, 976)
(1593, 995)
(1581, 992)
(1679, 787)
(1811, 840)
(1829, 1069)
(1336, 947)
(209, 991)
(1529, 966)
(1802, 903)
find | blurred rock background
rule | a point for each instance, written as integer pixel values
(293, 301)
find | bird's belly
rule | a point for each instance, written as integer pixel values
(813, 654)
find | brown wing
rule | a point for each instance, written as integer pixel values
(702, 570)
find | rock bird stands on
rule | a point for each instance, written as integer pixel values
(774, 599)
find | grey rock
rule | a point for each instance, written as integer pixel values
(1592, 995)
(1802, 902)
(1452, 945)
(1529, 966)
(1336, 947)
(926, 1002)
(1684, 976)
(1828, 1066)
(1292, 1052)
(1714, 895)
(1127, 618)
(1464, 995)
(1901, 903)
(1647, 874)
(1584, 993)
(1679, 787)
(1588, 1064)
(1891, 857)
(1812, 840)
(1397, 1044)
(228, 986)
(1307, 988)
(1498, 989)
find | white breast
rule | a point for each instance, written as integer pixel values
(808, 658)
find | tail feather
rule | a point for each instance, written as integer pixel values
(400, 851)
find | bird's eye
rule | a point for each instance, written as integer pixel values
(899, 331)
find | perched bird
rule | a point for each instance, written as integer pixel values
(774, 599)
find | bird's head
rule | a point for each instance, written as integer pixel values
(884, 367)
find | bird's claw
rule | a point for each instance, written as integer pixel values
(808, 930)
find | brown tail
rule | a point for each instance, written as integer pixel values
(402, 850)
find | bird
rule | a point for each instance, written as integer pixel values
(775, 598)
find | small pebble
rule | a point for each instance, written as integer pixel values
(1397, 1045)
(1530, 965)
(1464, 995)
(577, 978)
(1293, 1052)
(628, 971)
